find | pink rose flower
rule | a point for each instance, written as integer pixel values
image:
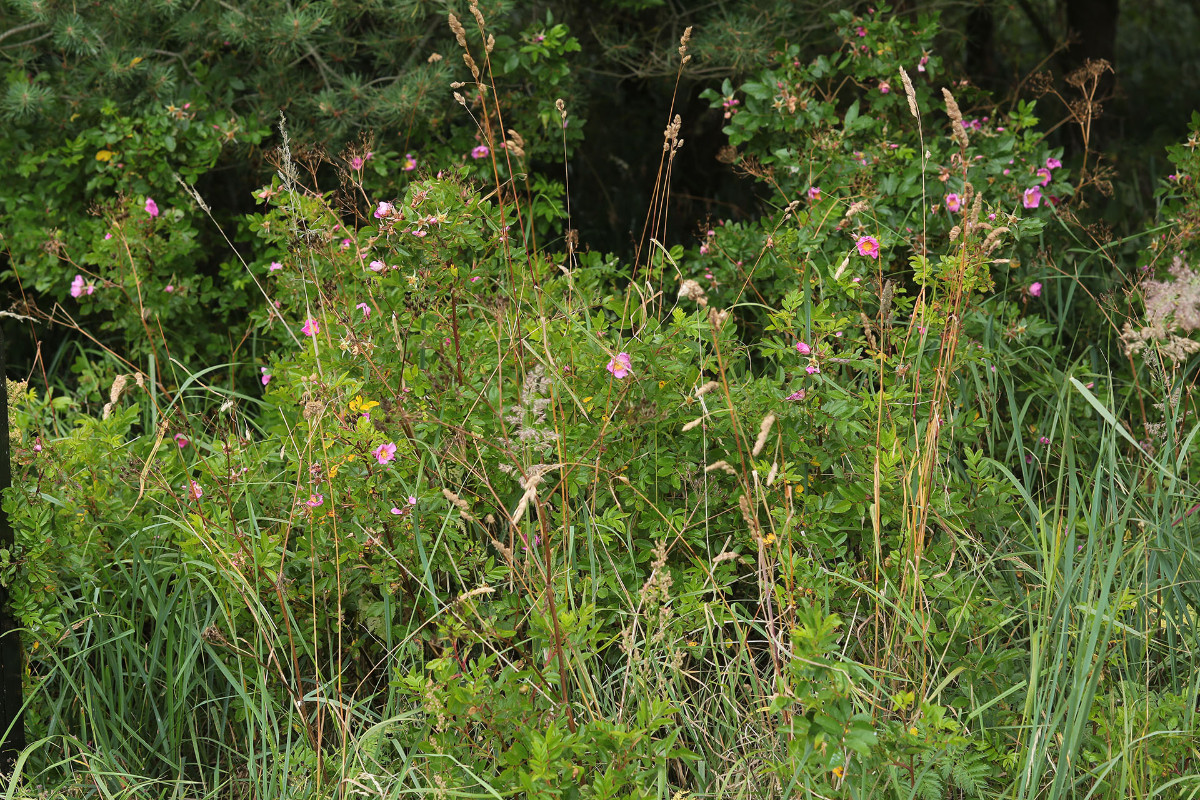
(385, 453)
(620, 366)
(1032, 197)
(868, 246)
(311, 327)
(151, 207)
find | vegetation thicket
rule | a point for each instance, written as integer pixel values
(885, 491)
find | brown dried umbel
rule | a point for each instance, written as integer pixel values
(1040, 84)
(1092, 70)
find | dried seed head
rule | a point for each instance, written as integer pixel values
(457, 85)
(683, 40)
(1092, 69)
(885, 299)
(433, 58)
(460, 33)
(748, 515)
(993, 240)
(671, 134)
(720, 465)
(475, 12)
(462, 101)
(957, 132)
(562, 108)
(910, 93)
(856, 207)
(491, 43)
(706, 388)
(841, 268)
(692, 290)
(463, 507)
(954, 232)
(976, 207)
(764, 429)
(471, 65)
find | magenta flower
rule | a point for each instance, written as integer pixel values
(181, 440)
(803, 348)
(377, 266)
(921, 64)
(315, 500)
(366, 309)
(195, 492)
(397, 511)
(170, 287)
(107, 236)
(151, 207)
(1044, 440)
(1053, 163)
(814, 193)
(953, 203)
(480, 151)
(410, 162)
(860, 31)
(266, 376)
(812, 369)
(274, 266)
(385, 453)
(620, 366)
(1035, 289)
(1032, 197)
(384, 210)
(796, 396)
(356, 163)
(884, 87)
(1044, 174)
(868, 246)
(311, 327)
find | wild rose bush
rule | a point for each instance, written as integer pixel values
(501, 518)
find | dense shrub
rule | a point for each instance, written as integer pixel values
(820, 505)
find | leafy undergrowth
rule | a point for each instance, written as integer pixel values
(835, 503)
